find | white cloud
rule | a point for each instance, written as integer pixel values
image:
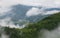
(5, 6)
(4, 11)
(51, 12)
(47, 3)
(8, 23)
(51, 34)
(7, 3)
(34, 11)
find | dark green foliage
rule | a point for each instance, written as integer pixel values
(32, 29)
(14, 33)
(50, 22)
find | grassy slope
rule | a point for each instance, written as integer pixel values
(32, 29)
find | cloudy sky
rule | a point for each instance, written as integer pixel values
(6, 4)
(48, 3)
(6, 7)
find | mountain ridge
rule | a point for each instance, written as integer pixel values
(33, 29)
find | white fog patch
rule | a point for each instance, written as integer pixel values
(8, 23)
(51, 12)
(4, 11)
(51, 34)
(34, 11)
(3, 35)
(5, 6)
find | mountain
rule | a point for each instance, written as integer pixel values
(18, 12)
(33, 29)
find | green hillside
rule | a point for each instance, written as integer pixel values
(32, 29)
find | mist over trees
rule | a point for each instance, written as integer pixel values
(32, 29)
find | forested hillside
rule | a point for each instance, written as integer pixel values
(32, 29)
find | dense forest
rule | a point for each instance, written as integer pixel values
(32, 30)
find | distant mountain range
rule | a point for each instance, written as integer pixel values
(18, 12)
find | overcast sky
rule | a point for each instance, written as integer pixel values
(48, 3)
